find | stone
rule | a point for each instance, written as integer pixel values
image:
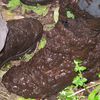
(3, 32)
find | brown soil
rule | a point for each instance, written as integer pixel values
(50, 69)
(55, 62)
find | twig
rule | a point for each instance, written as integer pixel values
(83, 90)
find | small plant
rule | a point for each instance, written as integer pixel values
(70, 15)
(13, 4)
(98, 75)
(65, 94)
(95, 94)
(26, 57)
(79, 80)
(42, 43)
(40, 10)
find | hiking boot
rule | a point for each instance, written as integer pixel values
(22, 38)
(52, 68)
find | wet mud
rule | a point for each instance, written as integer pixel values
(22, 37)
(52, 68)
(92, 16)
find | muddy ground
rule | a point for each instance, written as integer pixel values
(47, 22)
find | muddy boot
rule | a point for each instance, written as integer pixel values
(22, 37)
(35, 2)
(32, 2)
(52, 68)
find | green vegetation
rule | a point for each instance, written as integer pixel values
(40, 10)
(79, 80)
(13, 4)
(70, 92)
(98, 75)
(66, 94)
(26, 57)
(95, 94)
(42, 43)
(70, 15)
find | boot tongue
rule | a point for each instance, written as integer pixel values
(92, 7)
(3, 32)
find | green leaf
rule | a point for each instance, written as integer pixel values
(77, 62)
(98, 75)
(70, 15)
(26, 57)
(13, 4)
(42, 43)
(80, 68)
(40, 10)
(94, 95)
(97, 97)
(79, 81)
(64, 95)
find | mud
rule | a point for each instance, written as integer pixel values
(52, 68)
(93, 20)
(22, 37)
